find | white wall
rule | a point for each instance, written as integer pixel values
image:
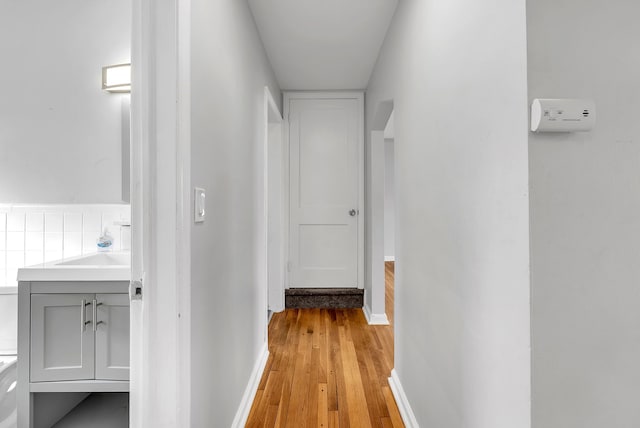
(60, 133)
(462, 289)
(585, 217)
(229, 72)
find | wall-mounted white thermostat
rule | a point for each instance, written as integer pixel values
(199, 205)
(562, 115)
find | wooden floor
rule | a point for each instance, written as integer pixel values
(328, 368)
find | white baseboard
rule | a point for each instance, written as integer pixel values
(252, 387)
(404, 407)
(389, 258)
(374, 319)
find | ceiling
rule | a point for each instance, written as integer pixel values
(322, 44)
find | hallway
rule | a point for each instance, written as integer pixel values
(328, 368)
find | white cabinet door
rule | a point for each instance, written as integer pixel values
(324, 139)
(62, 339)
(112, 336)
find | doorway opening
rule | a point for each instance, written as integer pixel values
(381, 205)
(274, 205)
(389, 222)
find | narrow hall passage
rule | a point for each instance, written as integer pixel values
(327, 368)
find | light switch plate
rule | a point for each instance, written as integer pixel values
(199, 208)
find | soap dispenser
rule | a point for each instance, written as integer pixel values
(105, 241)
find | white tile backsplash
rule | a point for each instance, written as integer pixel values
(53, 241)
(33, 258)
(15, 221)
(53, 222)
(89, 242)
(109, 220)
(15, 241)
(44, 233)
(34, 241)
(125, 238)
(35, 222)
(72, 245)
(15, 259)
(73, 222)
(51, 256)
(92, 222)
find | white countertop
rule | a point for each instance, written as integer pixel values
(109, 266)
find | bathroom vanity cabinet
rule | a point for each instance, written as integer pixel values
(73, 338)
(79, 337)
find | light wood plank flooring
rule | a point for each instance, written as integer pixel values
(328, 368)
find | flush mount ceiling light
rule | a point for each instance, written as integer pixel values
(116, 78)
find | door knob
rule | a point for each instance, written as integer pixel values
(353, 213)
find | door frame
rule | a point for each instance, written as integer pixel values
(275, 292)
(160, 377)
(374, 301)
(359, 96)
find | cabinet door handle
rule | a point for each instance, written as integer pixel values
(95, 315)
(83, 316)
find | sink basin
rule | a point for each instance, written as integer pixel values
(100, 259)
(90, 267)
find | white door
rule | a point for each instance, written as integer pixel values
(112, 336)
(324, 149)
(61, 337)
